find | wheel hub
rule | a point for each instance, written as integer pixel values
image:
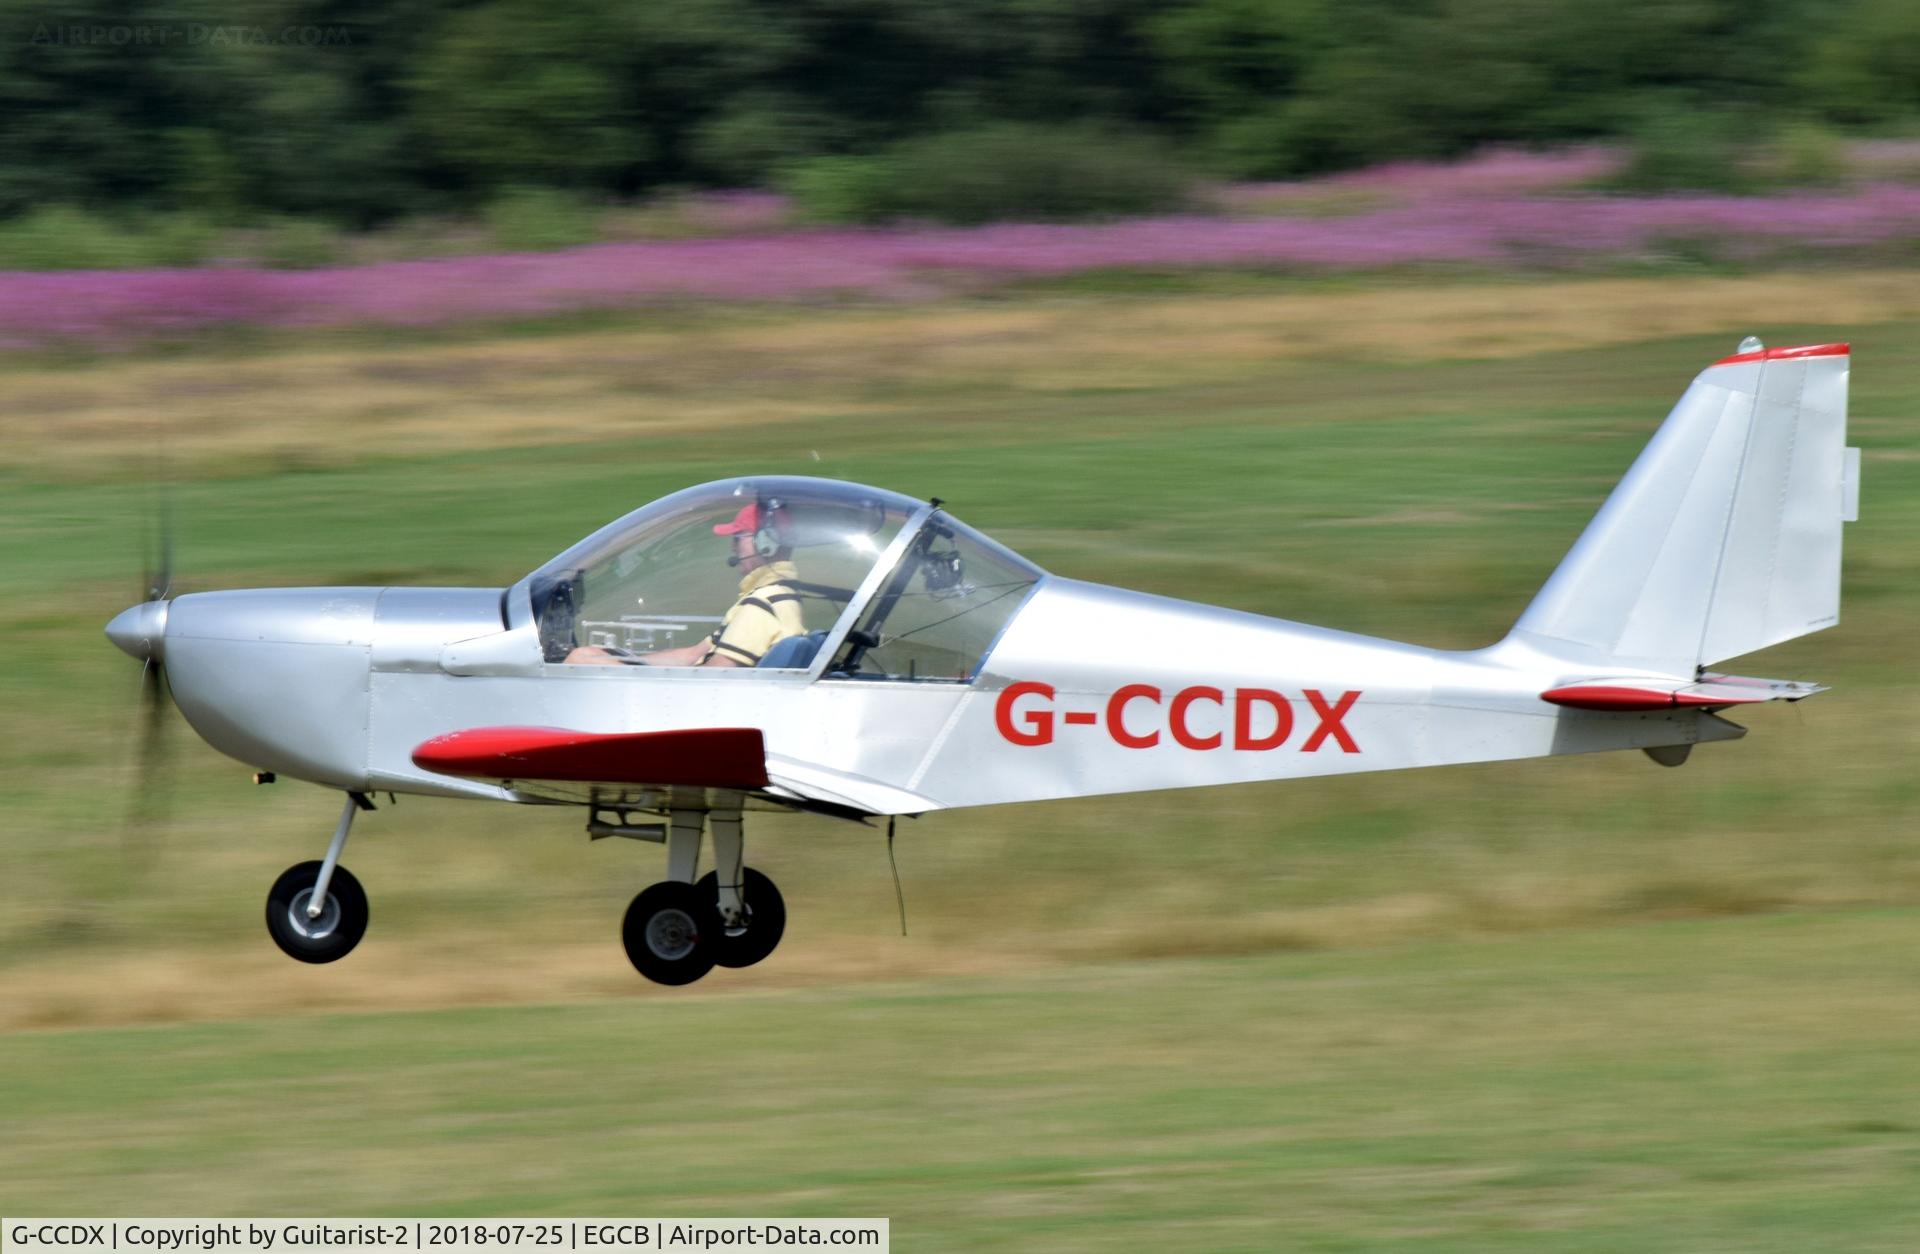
(312, 929)
(672, 935)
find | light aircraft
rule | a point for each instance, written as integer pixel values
(925, 667)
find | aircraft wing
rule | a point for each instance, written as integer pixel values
(823, 786)
(697, 757)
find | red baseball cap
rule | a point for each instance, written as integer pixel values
(746, 522)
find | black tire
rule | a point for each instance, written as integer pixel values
(340, 926)
(766, 919)
(669, 933)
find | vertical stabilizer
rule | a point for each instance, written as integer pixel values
(1724, 536)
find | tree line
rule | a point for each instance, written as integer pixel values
(410, 106)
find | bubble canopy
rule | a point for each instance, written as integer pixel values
(664, 577)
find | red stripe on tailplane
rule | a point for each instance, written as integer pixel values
(1784, 354)
(700, 757)
(1710, 691)
(1605, 697)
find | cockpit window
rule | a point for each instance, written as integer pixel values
(783, 555)
(939, 612)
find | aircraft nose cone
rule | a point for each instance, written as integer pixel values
(141, 632)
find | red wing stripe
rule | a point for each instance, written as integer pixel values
(1780, 354)
(700, 757)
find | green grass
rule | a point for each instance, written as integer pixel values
(1739, 1084)
(1415, 500)
(1580, 1003)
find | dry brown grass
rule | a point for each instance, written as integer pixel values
(447, 970)
(774, 367)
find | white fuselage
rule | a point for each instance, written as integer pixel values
(339, 686)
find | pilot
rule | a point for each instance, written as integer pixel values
(767, 612)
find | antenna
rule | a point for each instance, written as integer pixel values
(898, 895)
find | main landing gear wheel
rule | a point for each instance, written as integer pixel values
(766, 919)
(338, 928)
(670, 933)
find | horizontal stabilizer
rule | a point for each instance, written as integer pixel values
(699, 757)
(1709, 691)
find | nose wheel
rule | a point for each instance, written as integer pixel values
(324, 936)
(317, 911)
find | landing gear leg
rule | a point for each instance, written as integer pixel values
(317, 911)
(683, 845)
(750, 908)
(729, 860)
(316, 906)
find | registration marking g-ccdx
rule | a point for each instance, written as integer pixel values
(1260, 718)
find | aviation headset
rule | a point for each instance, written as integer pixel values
(766, 537)
(766, 540)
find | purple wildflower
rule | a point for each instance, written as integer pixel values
(1468, 224)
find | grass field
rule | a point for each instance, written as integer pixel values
(1730, 1085)
(1179, 1017)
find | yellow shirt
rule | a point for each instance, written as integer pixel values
(767, 612)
